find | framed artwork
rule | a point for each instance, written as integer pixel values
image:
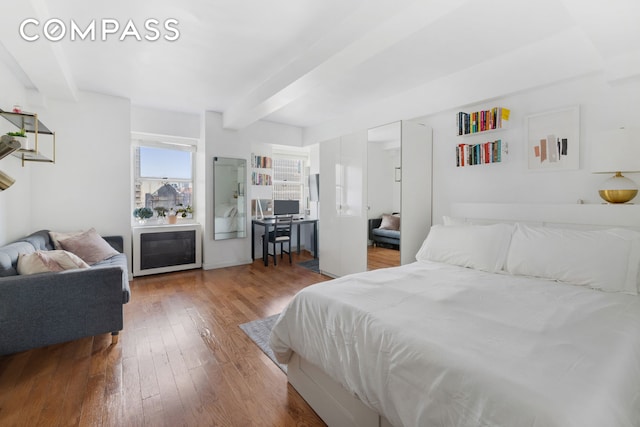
(553, 140)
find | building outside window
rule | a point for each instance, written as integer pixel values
(163, 173)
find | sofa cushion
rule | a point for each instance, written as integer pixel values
(5, 265)
(46, 261)
(40, 240)
(11, 251)
(89, 246)
(393, 234)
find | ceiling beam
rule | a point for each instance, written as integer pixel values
(41, 61)
(370, 30)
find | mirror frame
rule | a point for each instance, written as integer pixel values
(237, 191)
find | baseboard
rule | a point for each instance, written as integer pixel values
(213, 266)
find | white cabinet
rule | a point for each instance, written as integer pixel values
(343, 219)
(416, 160)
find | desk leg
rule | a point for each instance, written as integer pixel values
(298, 238)
(265, 243)
(315, 239)
(253, 241)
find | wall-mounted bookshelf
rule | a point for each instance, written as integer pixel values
(481, 154)
(261, 170)
(482, 121)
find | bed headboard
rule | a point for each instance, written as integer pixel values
(569, 215)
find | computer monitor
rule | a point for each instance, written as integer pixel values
(286, 207)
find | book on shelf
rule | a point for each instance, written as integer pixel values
(478, 154)
(260, 162)
(482, 121)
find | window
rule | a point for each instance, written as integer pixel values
(290, 175)
(163, 172)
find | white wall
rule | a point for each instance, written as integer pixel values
(89, 185)
(15, 202)
(238, 144)
(165, 122)
(184, 125)
(603, 106)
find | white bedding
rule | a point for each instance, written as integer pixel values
(226, 224)
(430, 344)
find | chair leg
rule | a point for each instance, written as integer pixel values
(289, 252)
(275, 255)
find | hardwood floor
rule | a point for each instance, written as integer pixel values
(181, 360)
(378, 257)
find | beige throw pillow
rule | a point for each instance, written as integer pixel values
(56, 236)
(390, 222)
(45, 261)
(89, 246)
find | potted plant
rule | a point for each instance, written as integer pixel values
(161, 213)
(142, 214)
(183, 211)
(21, 137)
(172, 216)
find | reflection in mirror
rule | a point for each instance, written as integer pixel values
(383, 196)
(229, 201)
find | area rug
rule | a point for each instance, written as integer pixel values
(259, 331)
(311, 264)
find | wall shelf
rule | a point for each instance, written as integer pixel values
(31, 124)
(484, 121)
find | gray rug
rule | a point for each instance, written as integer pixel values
(259, 331)
(312, 264)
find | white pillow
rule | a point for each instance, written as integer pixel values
(449, 220)
(44, 261)
(482, 247)
(225, 210)
(601, 259)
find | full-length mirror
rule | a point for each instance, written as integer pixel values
(384, 176)
(229, 201)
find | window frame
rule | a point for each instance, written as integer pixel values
(139, 139)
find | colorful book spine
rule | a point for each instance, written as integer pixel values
(482, 121)
(478, 154)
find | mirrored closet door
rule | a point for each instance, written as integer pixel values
(383, 196)
(399, 177)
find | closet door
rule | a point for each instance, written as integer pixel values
(353, 215)
(417, 158)
(329, 226)
(342, 208)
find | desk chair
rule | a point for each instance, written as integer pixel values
(281, 234)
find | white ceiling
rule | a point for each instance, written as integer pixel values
(311, 63)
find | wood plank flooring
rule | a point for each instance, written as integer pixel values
(378, 257)
(181, 360)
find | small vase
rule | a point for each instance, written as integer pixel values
(173, 219)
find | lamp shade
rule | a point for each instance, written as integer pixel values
(5, 181)
(7, 146)
(616, 151)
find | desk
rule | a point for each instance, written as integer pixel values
(266, 223)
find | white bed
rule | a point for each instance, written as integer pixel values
(226, 218)
(435, 344)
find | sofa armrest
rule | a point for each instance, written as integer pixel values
(116, 242)
(373, 223)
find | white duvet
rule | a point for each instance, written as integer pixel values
(430, 344)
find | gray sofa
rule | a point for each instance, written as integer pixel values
(50, 308)
(382, 237)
